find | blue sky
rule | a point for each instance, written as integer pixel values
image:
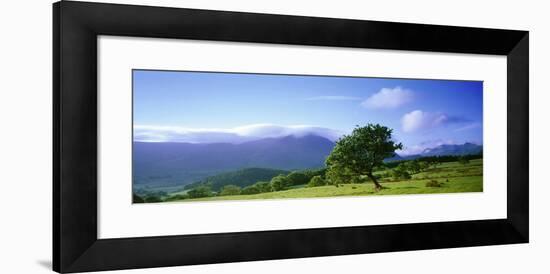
(213, 107)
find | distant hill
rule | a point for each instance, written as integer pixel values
(464, 149)
(169, 164)
(442, 150)
(242, 178)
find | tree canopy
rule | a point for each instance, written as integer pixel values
(200, 192)
(360, 152)
(230, 190)
(279, 183)
(316, 181)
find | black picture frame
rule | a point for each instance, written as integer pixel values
(76, 246)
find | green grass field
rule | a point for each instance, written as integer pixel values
(453, 177)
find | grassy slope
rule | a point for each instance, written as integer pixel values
(461, 178)
(453, 169)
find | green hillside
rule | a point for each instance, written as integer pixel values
(454, 185)
(240, 178)
(448, 177)
(465, 174)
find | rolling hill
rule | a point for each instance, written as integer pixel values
(464, 149)
(168, 164)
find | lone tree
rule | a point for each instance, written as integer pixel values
(363, 150)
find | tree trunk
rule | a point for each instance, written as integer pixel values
(377, 186)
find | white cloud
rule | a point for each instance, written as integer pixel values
(333, 98)
(420, 120)
(144, 133)
(388, 98)
(468, 127)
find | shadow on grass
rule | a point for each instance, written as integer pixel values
(407, 187)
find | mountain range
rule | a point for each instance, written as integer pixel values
(170, 164)
(183, 163)
(442, 150)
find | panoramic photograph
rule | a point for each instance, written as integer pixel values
(214, 136)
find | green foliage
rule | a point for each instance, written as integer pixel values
(317, 181)
(437, 160)
(144, 192)
(386, 174)
(423, 165)
(405, 169)
(359, 153)
(253, 189)
(401, 172)
(454, 177)
(230, 190)
(136, 199)
(337, 175)
(279, 183)
(297, 178)
(199, 192)
(152, 199)
(433, 183)
(177, 197)
(310, 173)
(240, 178)
(364, 149)
(463, 160)
(259, 187)
(460, 184)
(303, 177)
(263, 187)
(147, 196)
(412, 167)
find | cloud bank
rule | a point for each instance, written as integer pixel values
(419, 120)
(468, 127)
(388, 98)
(236, 135)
